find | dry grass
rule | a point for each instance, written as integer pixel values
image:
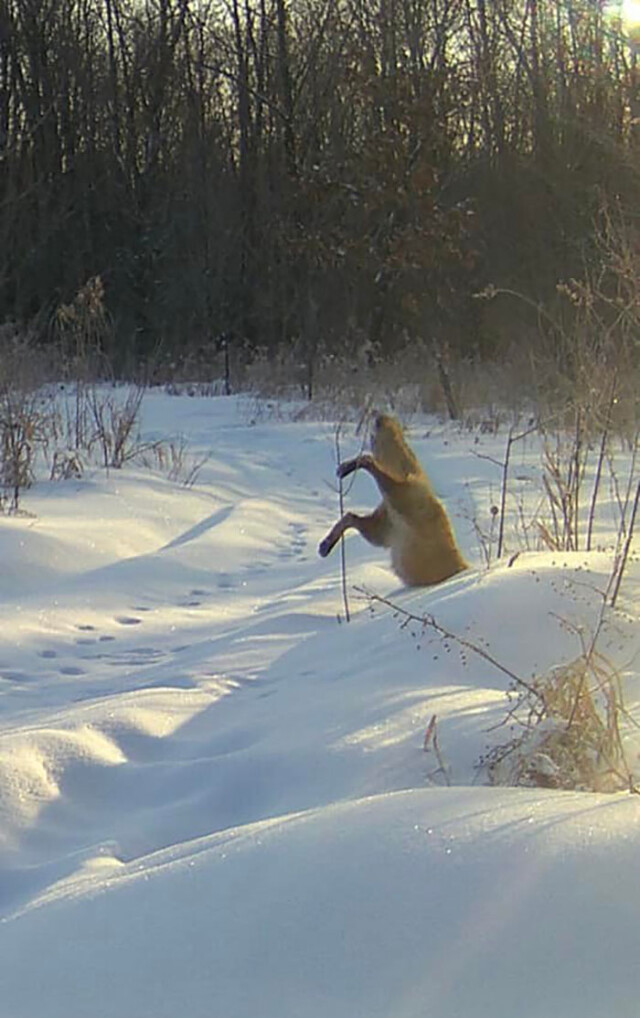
(174, 459)
(564, 727)
(568, 736)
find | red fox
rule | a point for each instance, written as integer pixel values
(410, 520)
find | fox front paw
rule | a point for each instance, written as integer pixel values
(346, 468)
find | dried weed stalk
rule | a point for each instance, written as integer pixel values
(565, 726)
(569, 736)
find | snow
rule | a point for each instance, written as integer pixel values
(214, 798)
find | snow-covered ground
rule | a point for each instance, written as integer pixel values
(214, 797)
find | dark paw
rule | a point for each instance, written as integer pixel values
(324, 548)
(346, 468)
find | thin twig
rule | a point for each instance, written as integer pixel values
(429, 733)
(575, 475)
(599, 465)
(439, 758)
(429, 622)
(627, 546)
(343, 555)
(629, 489)
(503, 493)
(505, 480)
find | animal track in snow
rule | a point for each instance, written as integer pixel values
(297, 541)
(193, 599)
(90, 649)
(15, 675)
(135, 656)
(226, 581)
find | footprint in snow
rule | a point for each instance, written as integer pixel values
(128, 620)
(47, 654)
(136, 657)
(72, 670)
(193, 598)
(226, 581)
(296, 541)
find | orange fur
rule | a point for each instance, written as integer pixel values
(410, 520)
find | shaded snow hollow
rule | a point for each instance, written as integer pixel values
(214, 799)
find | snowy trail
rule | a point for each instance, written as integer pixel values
(213, 795)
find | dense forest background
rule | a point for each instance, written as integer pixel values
(324, 175)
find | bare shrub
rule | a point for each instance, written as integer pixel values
(19, 434)
(175, 460)
(66, 465)
(568, 736)
(24, 415)
(563, 467)
(116, 424)
(84, 333)
(92, 421)
(557, 506)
